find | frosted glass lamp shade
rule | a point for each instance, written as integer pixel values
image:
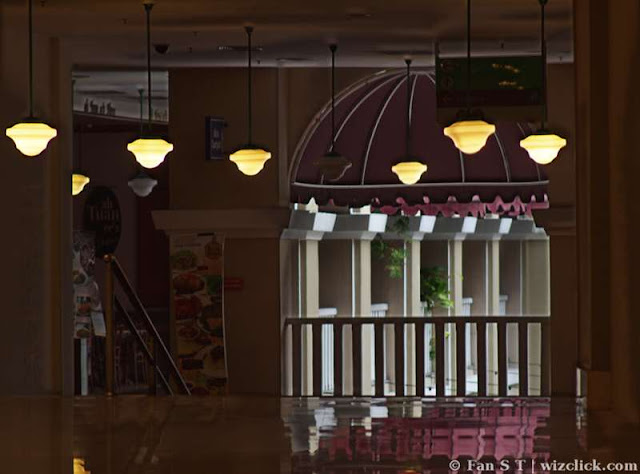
(150, 152)
(543, 147)
(31, 138)
(409, 172)
(78, 182)
(470, 136)
(250, 160)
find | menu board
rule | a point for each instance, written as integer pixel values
(197, 288)
(88, 316)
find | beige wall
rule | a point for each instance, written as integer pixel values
(35, 202)
(200, 184)
(474, 270)
(335, 262)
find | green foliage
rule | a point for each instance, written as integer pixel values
(393, 253)
(434, 288)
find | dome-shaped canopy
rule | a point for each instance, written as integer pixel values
(371, 130)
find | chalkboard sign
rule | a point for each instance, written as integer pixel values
(102, 216)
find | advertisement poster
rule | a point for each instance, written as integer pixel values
(88, 316)
(197, 287)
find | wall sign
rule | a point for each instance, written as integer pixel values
(102, 217)
(504, 87)
(214, 132)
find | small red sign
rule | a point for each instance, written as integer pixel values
(233, 283)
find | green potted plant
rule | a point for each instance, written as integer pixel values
(434, 288)
(434, 293)
(393, 253)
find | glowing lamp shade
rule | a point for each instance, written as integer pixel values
(31, 138)
(409, 172)
(470, 136)
(150, 152)
(79, 466)
(543, 148)
(250, 160)
(78, 182)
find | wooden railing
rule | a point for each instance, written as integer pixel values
(152, 350)
(303, 355)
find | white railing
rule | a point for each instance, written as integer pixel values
(327, 350)
(320, 370)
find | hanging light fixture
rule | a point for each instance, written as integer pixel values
(78, 179)
(333, 165)
(142, 184)
(470, 132)
(250, 158)
(150, 150)
(31, 136)
(410, 170)
(543, 146)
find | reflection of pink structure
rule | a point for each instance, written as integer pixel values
(479, 432)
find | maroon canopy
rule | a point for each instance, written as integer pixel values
(371, 123)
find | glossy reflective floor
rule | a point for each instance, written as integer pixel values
(136, 434)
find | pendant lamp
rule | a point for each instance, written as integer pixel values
(250, 158)
(78, 179)
(142, 184)
(470, 132)
(410, 170)
(31, 136)
(333, 165)
(543, 146)
(150, 150)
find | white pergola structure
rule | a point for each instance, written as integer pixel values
(490, 261)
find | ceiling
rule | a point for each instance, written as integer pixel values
(107, 37)
(372, 33)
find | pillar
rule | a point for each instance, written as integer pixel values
(535, 300)
(309, 305)
(455, 282)
(36, 333)
(607, 74)
(413, 309)
(493, 309)
(362, 305)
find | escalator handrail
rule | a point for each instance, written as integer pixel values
(139, 307)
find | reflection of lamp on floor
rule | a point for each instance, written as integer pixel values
(79, 466)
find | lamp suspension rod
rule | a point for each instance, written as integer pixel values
(141, 94)
(543, 50)
(147, 7)
(30, 58)
(249, 30)
(333, 49)
(468, 56)
(408, 137)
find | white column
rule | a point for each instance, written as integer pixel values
(309, 305)
(412, 309)
(455, 284)
(493, 309)
(362, 307)
(535, 300)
